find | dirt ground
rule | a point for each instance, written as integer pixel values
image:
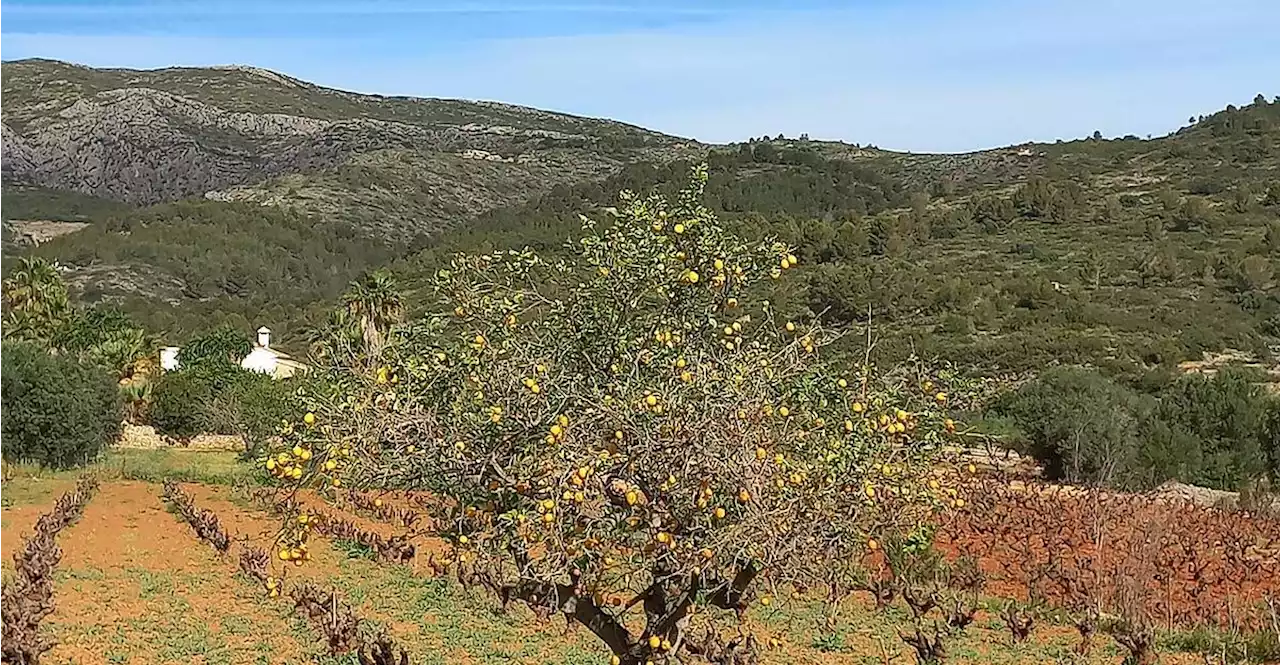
(136, 586)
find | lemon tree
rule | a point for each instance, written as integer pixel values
(628, 434)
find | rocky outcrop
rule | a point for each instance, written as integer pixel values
(140, 146)
(149, 142)
(16, 158)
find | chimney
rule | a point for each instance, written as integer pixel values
(264, 337)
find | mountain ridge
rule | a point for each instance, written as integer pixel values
(154, 136)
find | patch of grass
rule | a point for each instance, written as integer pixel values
(437, 621)
(192, 466)
(830, 641)
(28, 485)
(191, 639)
(154, 583)
(78, 577)
(1226, 646)
(355, 550)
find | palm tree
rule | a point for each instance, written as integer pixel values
(374, 304)
(35, 300)
(336, 341)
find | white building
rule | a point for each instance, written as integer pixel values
(262, 359)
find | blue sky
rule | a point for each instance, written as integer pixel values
(923, 75)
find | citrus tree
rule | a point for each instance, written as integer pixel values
(627, 434)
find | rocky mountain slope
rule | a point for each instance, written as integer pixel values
(146, 137)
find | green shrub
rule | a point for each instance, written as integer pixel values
(57, 412)
(221, 345)
(1220, 432)
(252, 405)
(177, 404)
(219, 398)
(1079, 424)
(1208, 431)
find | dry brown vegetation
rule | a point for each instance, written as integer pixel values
(330, 616)
(205, 522)
(1193, 564)
(28, 596)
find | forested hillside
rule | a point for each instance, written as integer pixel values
(261, 196)
(1125, 253)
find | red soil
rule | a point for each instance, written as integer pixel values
(125, 529)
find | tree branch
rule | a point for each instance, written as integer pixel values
(582, 610)
(728, 595)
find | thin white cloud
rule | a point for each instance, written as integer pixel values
(186, 9)
(294, 56)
